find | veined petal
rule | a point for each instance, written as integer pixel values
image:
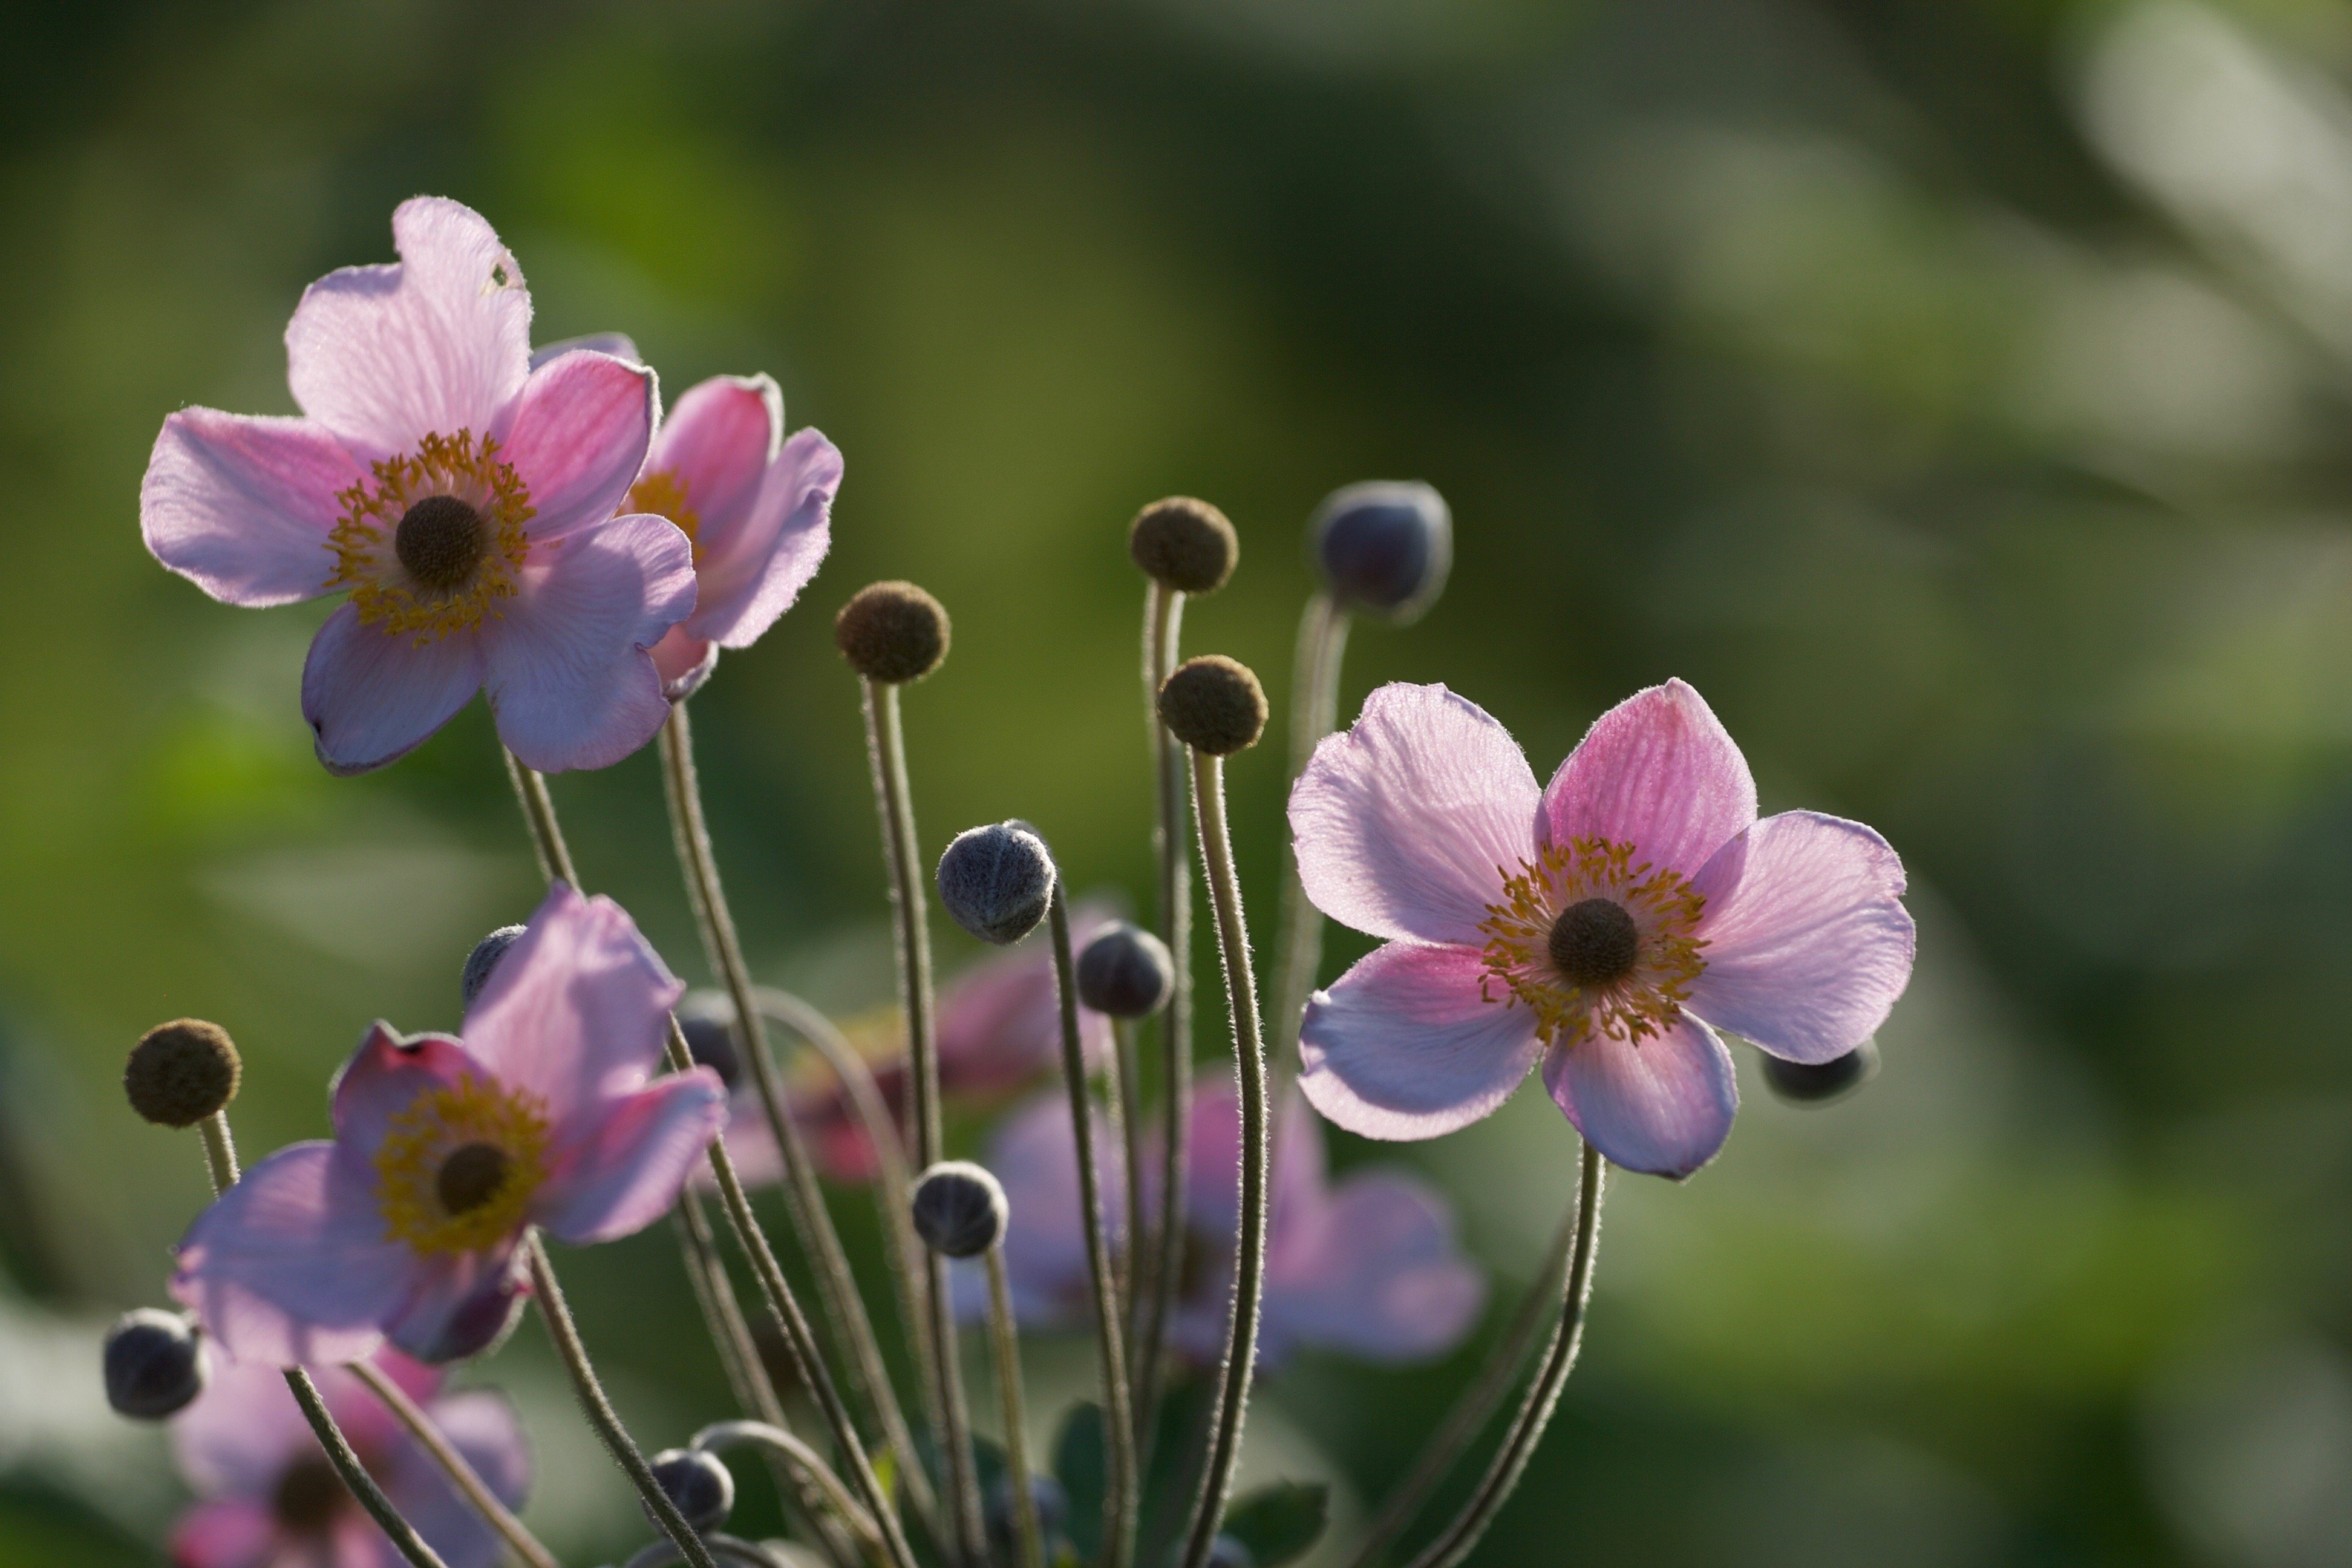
(1663, 1105)
(619, 1166)
(620, 345)
(569, 675)
(232, 1533)
(241, 505)
(1808, 944)
(578, 438)
(459, 1303)
(439, 341)
(1658, 772)
(1375, 1270)
(756, 566)
(1405, 1044)
(1406, 824)
(372, 696)
(384, 1077)
(715, 444)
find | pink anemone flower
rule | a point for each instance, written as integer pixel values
(408, 1223)
(465, 498)
(1368, 1266)
(269, 1499)
(1600, 924)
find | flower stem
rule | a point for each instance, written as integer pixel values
(420, 1425)
(1233, 1374)
(1005, 1339)
(1314, 712)
(539, 814)
(781, 1443)
(1126, 1103)
(1163, 620)
(1527, 1428)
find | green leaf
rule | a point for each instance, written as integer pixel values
(1279, 1522)
(1080, 1465)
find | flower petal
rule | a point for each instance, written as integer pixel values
(372, 697)
(1000, 1021)
(754, 568)
(716, 444)
(1035, 1158)
(1406, 824)
(1664, 1106)
(384, 1077)
(620, 345)
(291, 1265)
(684, 662)
(1374, 1271)
(619, 1167)
(241, 1433)
(460, 1304)
(1658, 772)
(229, 1534)
(1212, 1161)
(480, 1425)
(577, 439)
(436, 342)
(1808, 944)
(1405, 1044)
(241, 505)
(569, 676)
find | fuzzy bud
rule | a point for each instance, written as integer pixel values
(1821, 1083)
(154, 1365)
(996, 881)
(960, 1209)
(483, 960)
(1126, 972)
(697, 1484)
(1184, 544)
(1383, 547)
(1213, 704)
(892, 633)
(181, 1072)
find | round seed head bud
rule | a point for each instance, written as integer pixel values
(996, 881)
(701, 1486)
(892, 632)
(707, 1019)
(1213, 704)
(1227, 1551)
(1821, 1083)
(960, 1209)
(483, 960)
(181, 1072)
(154, 1365)
(1186, 544)
(1383, 547)
(1126, 972)
(1052, 1502)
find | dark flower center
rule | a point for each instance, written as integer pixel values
(471, 1177)
(1594, 942)
(441, 541)
(309, 1495)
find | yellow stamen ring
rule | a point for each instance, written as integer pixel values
(1524, 947)
(388, 589)
(457, 1167)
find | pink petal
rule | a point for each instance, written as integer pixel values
(577, 1012)
(1404, 1044)
(1000, 1021)
(290, 1266)
(684, 662)
(1035, 1157)
(1659, 772)
(1402, 822)
(482, 1425)
(238, 1534)
(1808, 944)
(384, 1077)
(569, 676)
(621, 1165)
(577, 439)
(241, 1433)
(1375, 1270)
(241, 506)
(754, 568)
(384, 355)
(716, 444)
(1212, 1161)
(461, 1303)
(620, 345)
(372, 696)
(1663, 1106)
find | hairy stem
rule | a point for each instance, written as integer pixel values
(1126, 1103)
(781, 1444)
(452, 1464)
(539, 814)
(1004, 1340)
(1163, 620)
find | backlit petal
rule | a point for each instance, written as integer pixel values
(577, 439)
(1658, 772)
(1405, 1044)
(619, 1168)
(372, 696)
(241, 506)
(1664, 1106)
(754, 567)
(459, 1303)
(384, 1077)
(716, 444)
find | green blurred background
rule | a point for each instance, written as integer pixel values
(1954, 393)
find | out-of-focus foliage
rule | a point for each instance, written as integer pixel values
(1955, 392)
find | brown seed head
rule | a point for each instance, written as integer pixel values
(1185, 543)
(892, 632)
(1213, 704)
(181, 1072)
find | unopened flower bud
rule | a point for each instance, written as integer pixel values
(697, 1484)
(1185, 544)
(1383, 547)
(1045, 1493)
(996, 881)
(154, 1365)
(1227, 1551)
(1820, 1083)
(707, 1019)
(1126, 972)
(485, 959)
(892, 632)
(181, 1072)
(1213, 704)
(959, 1208)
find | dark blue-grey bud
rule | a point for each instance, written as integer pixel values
(1126, 972)
(1383, 547)
(707, 1019)
(996, 881)
(154, 1363)
(959, 1208)
(1821, 1083)
(1052, 1502)
(696, 1484)
(483, 960)
(1227, 1551)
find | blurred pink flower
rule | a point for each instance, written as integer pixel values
(1593, 924)
(407, 1223)
(465, 498)
(269, 1499)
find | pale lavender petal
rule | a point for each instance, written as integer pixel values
(618, 1166)
(1658, 772)
(1406, 824)
(620, 345)
(230, 1534)
(1374, 1271)
(715, 444)
(241, 1433)
(577, 1012)
(1035, 1157)
(1000, 1021)
(372, 696)
(569, 675)
(1663, 1106)
(1212, 1161)
(756, 566)
(437, 344)
(241, 505)
(482, 1425)
(684, 662)
(291, 1265)
(577, 439)
(384, 1077)
(751, 1144)
(460, 1302)
(1406, 1044)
